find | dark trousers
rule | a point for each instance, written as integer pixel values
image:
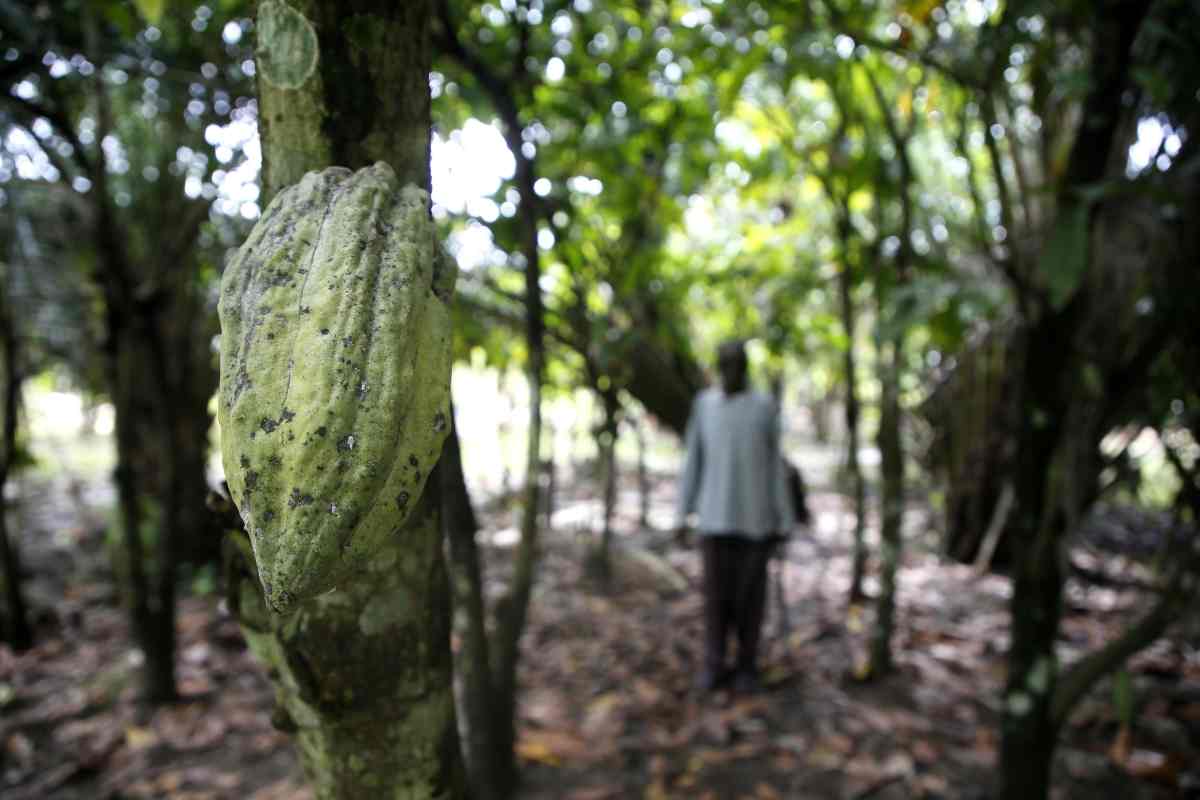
(735, 598)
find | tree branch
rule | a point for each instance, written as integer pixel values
(1078, 679)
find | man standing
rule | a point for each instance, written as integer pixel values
(734, 480)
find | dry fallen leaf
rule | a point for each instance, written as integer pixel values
(1122, 746)
(139, 738)
(764, 791)
(552, 747)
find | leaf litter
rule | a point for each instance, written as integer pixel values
(607, 707)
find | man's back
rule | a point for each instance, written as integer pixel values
(733, 478)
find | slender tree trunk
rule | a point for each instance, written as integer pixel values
(473, 662)
(608, 458)
(1028, 732)
(14, 617)
(643, 475)
(891, 449)
(160, 630)
(549, 477)
(367, 687)
(853, 468)
(129, 372)
(892, 506)
(511, 622)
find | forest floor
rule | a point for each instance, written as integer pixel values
(607, 710)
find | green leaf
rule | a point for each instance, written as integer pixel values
(152, 10)
(1066, 257)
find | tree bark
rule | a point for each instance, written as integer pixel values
(890, 345)
(511, 622)
(607, 440)
(643, 474)
(14, 616)
(1048, 487)
(129, 370)
(346, 84)
(892, 506)
(852, 410)
(473, 660)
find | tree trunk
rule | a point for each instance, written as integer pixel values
(1049, 487)
(366, 686)
(892, 506)
(15, 630)
(472, 662)
(608, 459)
(853, 468)
(643, 475)
(891, 449)
(549, 478)
(150, 576)
(511, 621)
(130, 369)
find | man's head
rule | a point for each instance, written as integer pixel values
(731, 365)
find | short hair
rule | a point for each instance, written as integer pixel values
(731, 349)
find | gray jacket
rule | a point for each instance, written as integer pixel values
(734, 477)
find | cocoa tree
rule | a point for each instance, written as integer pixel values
(334, 402)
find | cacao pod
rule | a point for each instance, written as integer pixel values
(335, 374)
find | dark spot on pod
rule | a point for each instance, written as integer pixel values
(402, 501)
(287, 415)
(268, 425)
(297, 499)
(346, 443)
(439, 422)
(321, 431)
(417, 476)
(324, 331)
(245, 462)
(412, 461)
(251, 480)
(268, 516)
(275, 461)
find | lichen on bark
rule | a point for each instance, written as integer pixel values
(335, 359)
(287, 52)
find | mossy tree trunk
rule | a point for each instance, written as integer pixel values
(365, 684)
(1056, 470)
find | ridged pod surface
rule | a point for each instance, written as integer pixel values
(335, 374)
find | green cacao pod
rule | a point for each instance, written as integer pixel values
(335, 374)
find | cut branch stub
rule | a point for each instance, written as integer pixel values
(335, 374)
